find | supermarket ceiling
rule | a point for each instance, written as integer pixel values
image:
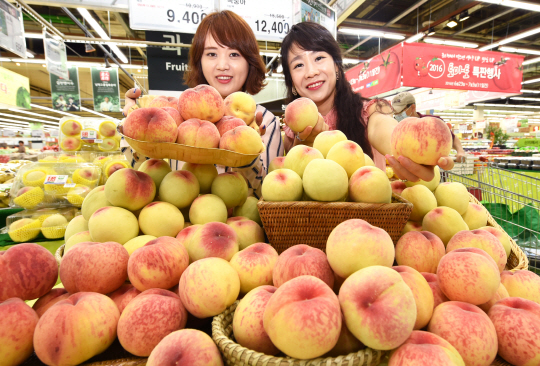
(479, 22)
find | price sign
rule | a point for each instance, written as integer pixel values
(269, 20)
(168, 15)
(69, 185)
(56, 179)
(88, 135)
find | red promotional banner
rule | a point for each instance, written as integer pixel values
(446, 67)
(380, 74)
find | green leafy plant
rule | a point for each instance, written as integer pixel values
(500, 136)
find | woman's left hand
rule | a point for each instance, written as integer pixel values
(257, 124)
(406, 169)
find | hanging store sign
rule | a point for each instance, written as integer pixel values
(65, 93)
(315, 11)
(55, 56)
(12, 29)
(106, 89)
(14, 90)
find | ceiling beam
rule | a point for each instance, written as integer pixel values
(129, 32)
(484, 21)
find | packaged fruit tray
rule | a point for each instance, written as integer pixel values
(190, 154)
(308, 222)
(89, 134)
(26, 225)
(40, 185)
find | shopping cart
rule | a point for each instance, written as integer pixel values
(512, 199)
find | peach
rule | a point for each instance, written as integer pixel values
(179, 188)
(107, 129)
(398, 186)
(149, 318)
(348, 154)
(207, 208)
(28, 271)
(76, 225)
(453, 195)
(248, 231)
(302, 260)
(423, 201)
(242, 139)
(425, 349)
(150, 124)
(411, 226)
(240, 105)
(76, 329)
(432, 184)
(325, 180)
(71, 128)
(502, 236)
(158, 264)
(476, 216)
(355, 244)
(203, 102)
(444, 222)
(468, 275)
(93, 201)
(519, 345)
(347, 342)
(231, 188)
(468, 329)
(423, 140)
(213, 239)
(185, 235)
(186, 347)
(423, 296)
(173, 112)
(137, 242)
(49, 299)
(501, 293)
(299, 157)
(157, 169)
(130, 189)
(205, 174)
(254, 266)
(249, 210)
(438, 296)
(368, 160)
(327, 139)
(367, 299)
(420, 250)
(123, 295)
(303, 318)
(208, 287)
(161, 219)
(228, 123)
(194, 132)
(163, 101)
(113, 224)
(522, 283)
(479, 239)
(94, 267)
(76, 239)
(301, 113)
(370, 185)
(277, 163)
(17, 324)
(71, 144)
(282, 185)
(248, 326)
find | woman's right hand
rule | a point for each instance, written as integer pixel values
(307, 136)
(131, 100)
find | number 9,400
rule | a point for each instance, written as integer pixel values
(193, 17)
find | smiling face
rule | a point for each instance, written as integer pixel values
(313, 74)
(224, 68)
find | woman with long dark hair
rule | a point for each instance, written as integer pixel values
(313, 68)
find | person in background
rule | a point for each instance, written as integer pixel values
(313, 68)
(106, 105)
(21, 147)
(60, 103)
(404, 106)
(72, 106)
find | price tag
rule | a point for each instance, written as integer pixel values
(98, 141)
(88, 135)
(269, 20)
(56, 179)
(69, 185)
(169, 15)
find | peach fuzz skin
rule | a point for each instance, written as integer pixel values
(175, 115)
(303, 329)
(519, 345)
(301, 113)
(501, 293)
(17, 324)
(203, 102)
(423, 296)
(243, 139)
(163, 101)
(248, 231)
(130, 189)
(370, 185)
(379, 307)
(425, 349)
(468, 275)
(438, 296)
(420, 250)
(198, 133)
(240, 105)
(49, 299)
(28, 271)
(148, 318)
(444, 222)
(468, 329)
(228, 123)
(480, 239)
(186, 347)
(523, 283)
(213, 239)
(254, 266)
(76, 329)
(150, 124)
(123, 295)
(248, 326)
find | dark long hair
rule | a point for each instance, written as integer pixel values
(348, 104)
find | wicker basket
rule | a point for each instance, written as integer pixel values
(308, 222)
(234, 354)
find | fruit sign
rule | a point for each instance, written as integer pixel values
(380, 74)
(445, 67)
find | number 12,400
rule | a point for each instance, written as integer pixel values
(276, 27)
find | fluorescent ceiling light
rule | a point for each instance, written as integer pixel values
(431, 31)
(28, 54)
(451, 24)
(531, 61)
(449, 42)
(32, 114)
(515, 4)
(94, 112)
(525, 98)
(416, 37)
(52, 110)
(371, 33)
(520, 36)
(14, 122)
(530, 91)
(531, 81)
(488, 47)
(24, 118)
(33, 35)
(520, 50)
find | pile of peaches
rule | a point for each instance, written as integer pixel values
(199, 118)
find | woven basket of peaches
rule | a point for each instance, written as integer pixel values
(198, 127)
